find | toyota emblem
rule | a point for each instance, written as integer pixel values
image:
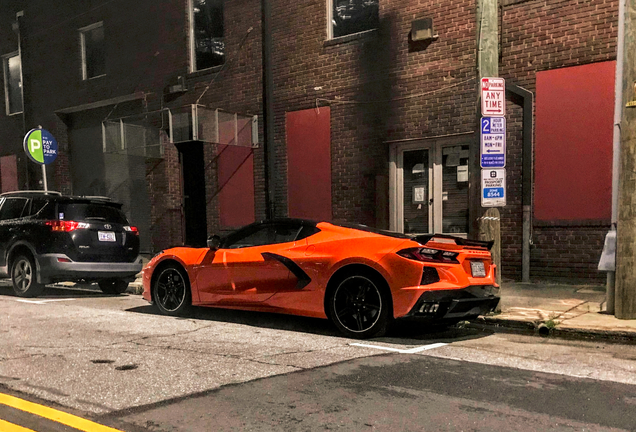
(107, 226)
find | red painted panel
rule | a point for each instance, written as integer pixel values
(309, 163)
(236, 181)
(9, 173)
(573, 149)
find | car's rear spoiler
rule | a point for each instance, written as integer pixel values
(423, 239)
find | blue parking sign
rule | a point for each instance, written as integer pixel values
(493, 142)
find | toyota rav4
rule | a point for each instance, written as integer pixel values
(47, 237)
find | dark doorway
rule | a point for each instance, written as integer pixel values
(194, 202)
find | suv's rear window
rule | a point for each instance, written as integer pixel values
(90, 211)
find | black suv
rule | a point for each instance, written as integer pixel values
(47, 237)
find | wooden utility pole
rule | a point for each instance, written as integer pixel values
(625, 295)
(485, 225)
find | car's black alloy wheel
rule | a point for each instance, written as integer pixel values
(171, 291)
(116, 286)
(359, 307)
(24, 277)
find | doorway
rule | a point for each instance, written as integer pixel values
(194, 201)
(429, 186)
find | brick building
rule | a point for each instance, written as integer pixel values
(371, 124)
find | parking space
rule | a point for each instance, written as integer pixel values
(98, 353)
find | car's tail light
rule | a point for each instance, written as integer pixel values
(65, 226)
(132, 229)
(429, 255)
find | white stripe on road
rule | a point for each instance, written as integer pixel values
(43, 301)
(402, 351)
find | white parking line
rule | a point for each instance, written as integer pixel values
(402, 351)
(43, 301)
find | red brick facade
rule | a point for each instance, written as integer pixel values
(381, 89)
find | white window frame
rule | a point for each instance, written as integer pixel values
(82, 33)
(330, 23)
(5, 72)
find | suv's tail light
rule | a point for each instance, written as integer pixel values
(132, 229)
(65, 226)
(429, 255)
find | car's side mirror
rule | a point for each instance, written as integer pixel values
(214, 242)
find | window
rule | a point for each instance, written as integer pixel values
(12, 208)
(352, 16)
(207, 48)
(12, 66)
(93, 51)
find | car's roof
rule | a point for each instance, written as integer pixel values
(57, 196)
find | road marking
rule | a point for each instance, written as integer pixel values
(402, 351)
(10, 427)
(43, 301)
(67, 419)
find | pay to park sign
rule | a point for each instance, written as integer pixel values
(40, 146)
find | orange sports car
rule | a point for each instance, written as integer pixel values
(358, 277)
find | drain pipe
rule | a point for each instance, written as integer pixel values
(618, 113)
(527, 98)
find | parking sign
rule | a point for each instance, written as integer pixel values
(493, 187)
(493, 97)
(493, 142)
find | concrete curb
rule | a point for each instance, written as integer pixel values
(494, 323)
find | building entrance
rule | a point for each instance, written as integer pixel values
(429, 186)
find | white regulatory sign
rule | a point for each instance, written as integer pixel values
(493, 97)
(493, 187)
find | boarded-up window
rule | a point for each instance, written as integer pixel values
(8, 173)
(573, 150)
(236, 184)
(309, 163)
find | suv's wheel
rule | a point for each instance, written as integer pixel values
(113, 286)
(359, 305)
(24, 277)
(171, 291)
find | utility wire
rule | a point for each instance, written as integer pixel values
(437, 90)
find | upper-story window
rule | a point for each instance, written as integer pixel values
(93, 51)
(12, 66)
(207, 47)
(352, 16)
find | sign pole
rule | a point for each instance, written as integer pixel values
(46, 187)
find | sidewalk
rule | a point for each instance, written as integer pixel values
(558, 309)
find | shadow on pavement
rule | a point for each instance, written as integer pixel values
(61, 292)
(403, 333)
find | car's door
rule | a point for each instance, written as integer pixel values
(249, 259)
(10, 211)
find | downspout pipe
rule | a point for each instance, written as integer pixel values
(618, 114)
(527, 99)
(268, 109)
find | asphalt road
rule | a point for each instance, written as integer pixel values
(113, 360)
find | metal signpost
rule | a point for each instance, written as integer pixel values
(40, 146)
(492, 152)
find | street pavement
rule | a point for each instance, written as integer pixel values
(115, 360)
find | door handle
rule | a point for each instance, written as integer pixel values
(430, 202)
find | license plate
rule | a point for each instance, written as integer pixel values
(108, 236)
(478, 269)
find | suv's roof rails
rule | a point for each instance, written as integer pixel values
(97, 197)
(31, 192)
